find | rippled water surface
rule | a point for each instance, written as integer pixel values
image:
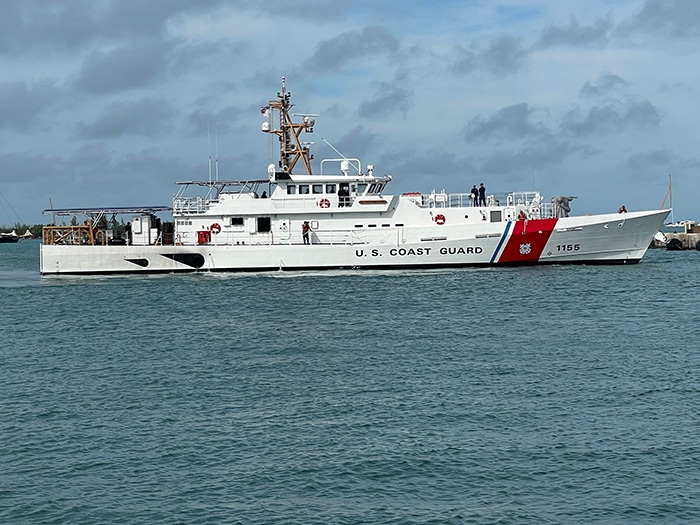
(535, 395)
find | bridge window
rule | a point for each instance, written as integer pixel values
(303, 189)
(317, 188)
(291, 189)
(330, 188)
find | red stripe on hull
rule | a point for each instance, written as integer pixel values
(527, 241)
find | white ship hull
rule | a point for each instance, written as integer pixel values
(601, 239)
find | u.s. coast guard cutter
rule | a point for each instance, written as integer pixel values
(352, 222)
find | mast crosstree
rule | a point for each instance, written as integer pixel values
(292, 149)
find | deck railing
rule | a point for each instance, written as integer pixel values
(73, 234)
(530, 202)
(187, 205)
(339, 236)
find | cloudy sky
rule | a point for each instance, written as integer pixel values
(109, 102)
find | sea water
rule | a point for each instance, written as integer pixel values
(557, 394)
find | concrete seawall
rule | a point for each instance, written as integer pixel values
(679, 241)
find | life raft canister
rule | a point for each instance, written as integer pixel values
(324, 203)
(440, 219)
(215, 228)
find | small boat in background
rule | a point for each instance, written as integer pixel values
(678, 227)
(6, 238)
(11, 237)
(674, 226)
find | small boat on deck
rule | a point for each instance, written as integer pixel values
(340, 218)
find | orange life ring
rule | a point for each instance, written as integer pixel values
(440, 219)
(215, 228)
(324, 203)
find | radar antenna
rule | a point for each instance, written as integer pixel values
(292, 149)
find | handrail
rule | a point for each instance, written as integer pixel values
(79, 234)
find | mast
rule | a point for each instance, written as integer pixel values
(291, 148)
(669, 195)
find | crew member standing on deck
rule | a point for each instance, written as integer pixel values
(475, 195)
(305, 229)
(342, 196)
(482, 194)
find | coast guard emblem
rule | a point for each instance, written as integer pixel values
(525, 249)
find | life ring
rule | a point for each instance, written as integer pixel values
(440, 219)
(215, 228)
(324, 203)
